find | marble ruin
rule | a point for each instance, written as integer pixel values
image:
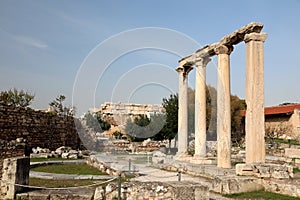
(120, 112)
(255, 142)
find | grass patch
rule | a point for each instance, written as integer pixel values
(50, 159)
(49, 183)
(79, 169)
(296, 170)
(260, 195)
(292, 142)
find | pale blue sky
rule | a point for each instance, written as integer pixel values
(44, 46)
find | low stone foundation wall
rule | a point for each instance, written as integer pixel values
(154, 190)
(234, 184)
(15, 171)
(292, 156)
(266, 170)
(9, 149)
(282, 187)
(102, 166)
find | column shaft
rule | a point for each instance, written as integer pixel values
(200, 108)
(223, 108)
(182, 111)
(255, 118)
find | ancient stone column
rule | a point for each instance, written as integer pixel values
(183, 109)
(223, 107)
(255, 118)
(200, 108)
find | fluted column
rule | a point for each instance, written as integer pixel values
(255, 118)
(200, 108)
(183, 109)
(223, 107)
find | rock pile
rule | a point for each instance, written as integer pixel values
(62, 152)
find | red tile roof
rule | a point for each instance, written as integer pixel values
(275, 110)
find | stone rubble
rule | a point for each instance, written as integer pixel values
(154, 190)
(63, 152)
(266, 170)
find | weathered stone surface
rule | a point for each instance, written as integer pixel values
(157, 190)
(74, 194)
(183, 72)
(243, 170)
(234, 185)
(292, 153)
(282, 187)
(255, 118)
(265, 170)
(228, 40)
(38, 128)
(15, 171)
(120, 112)
(223, 111)
(200, 108)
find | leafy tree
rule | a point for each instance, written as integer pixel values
(96, 122)
(105, 125)
(58, 106)
(117, 134)
(16, 98)
(170, 125)
(191, 108)
(143, 127)
(236, 105)
(211, 114)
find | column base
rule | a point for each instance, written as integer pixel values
(182, 157)
(203, 160)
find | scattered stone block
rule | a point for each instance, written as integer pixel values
(234, 185)
(243, 169)
(292, 153)
(16, 171)
(265, 170)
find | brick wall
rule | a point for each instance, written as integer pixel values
(41, 129)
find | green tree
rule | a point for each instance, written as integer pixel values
(60, 108)
(211, 114)
(170, 126)
(105, 125)
(143, 127)
(191, 108)
(96, 122)
(16, 98)
(236, 106)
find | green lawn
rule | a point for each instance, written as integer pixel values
(260, 195)
(59, 183)
(79, 169)
(48, 159)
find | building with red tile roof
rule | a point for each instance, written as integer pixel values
(283, 120)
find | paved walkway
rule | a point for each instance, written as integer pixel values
(149, 173)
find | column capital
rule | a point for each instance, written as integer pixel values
(203, 61)
(222, 49)
(185, 69)
(255, 37)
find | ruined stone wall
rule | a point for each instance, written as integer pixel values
(154, 190)
(121, 112)
(45, 130)
(10, 149)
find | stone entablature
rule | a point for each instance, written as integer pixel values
(122, 111)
